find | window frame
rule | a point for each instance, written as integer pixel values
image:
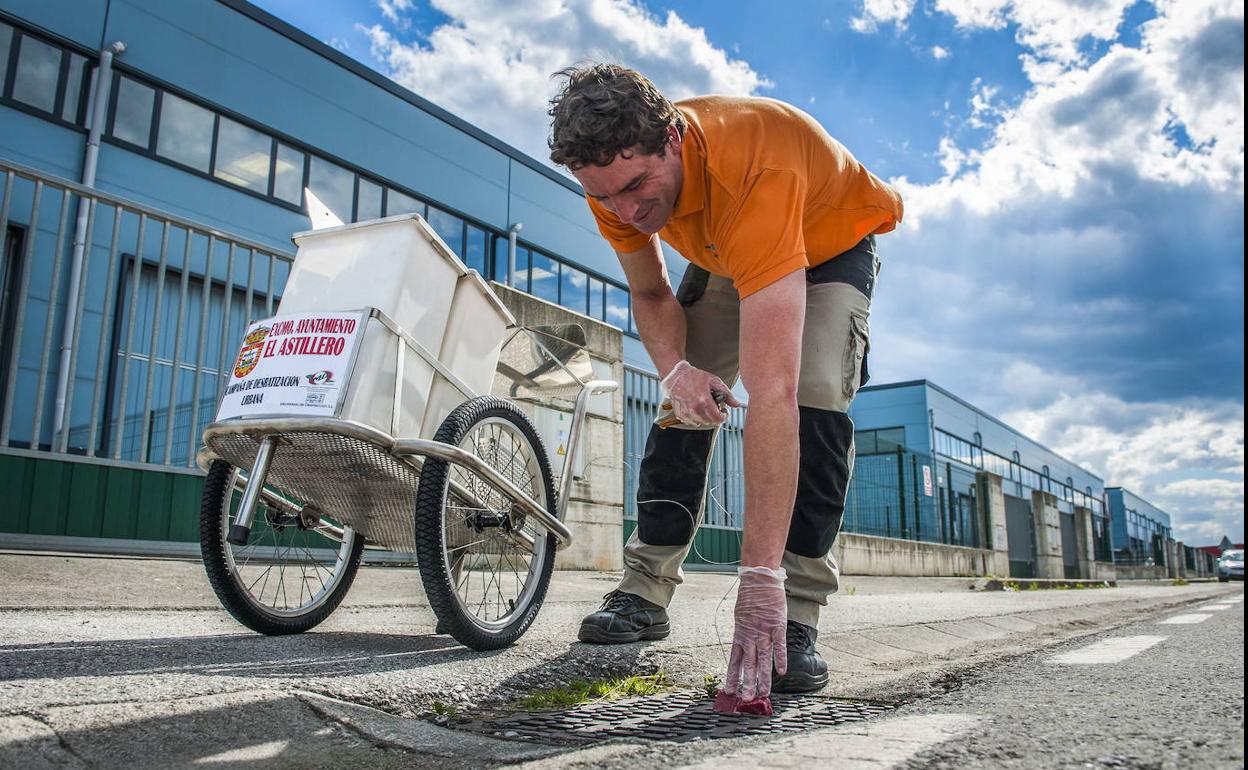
(67, 51)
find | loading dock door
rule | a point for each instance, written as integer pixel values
(1070, 547)
(1020, 532)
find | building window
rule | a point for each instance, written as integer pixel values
(544, 278)
(75, 93)
(449, 228)
(37, 74)
(334, 186)
(184, 132)
(367, 200)
(401, 203)
(573, 289)
(6, 47)
(41, 76)
(474, 249)
(10, 281)
(618, 308)
(132, 119)
(288, 175)
(244, 156)
(597, 294)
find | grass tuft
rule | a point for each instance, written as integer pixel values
(581, 691)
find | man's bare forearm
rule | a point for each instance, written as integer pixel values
(771, 460)
(661, 323)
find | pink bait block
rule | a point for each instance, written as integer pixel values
(731, 704)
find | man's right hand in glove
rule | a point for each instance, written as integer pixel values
(691, 392)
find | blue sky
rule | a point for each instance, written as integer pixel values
(1072, 256)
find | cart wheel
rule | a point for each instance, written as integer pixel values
(288, 577)
(485, 569)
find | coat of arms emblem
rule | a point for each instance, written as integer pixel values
(249, 355)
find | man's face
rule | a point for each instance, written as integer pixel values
(641, 189)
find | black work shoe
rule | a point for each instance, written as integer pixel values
(625, 617)
(807, 670)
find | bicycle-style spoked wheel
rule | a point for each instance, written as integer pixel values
(485, 566)
(292, 572)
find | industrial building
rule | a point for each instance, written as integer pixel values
(152, 161)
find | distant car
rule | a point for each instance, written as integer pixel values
(1231, 566)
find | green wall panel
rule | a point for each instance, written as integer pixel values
(50, 499)
(86, 490)
(78, 499)
(720, 547)
(154, 507)
(119, 504)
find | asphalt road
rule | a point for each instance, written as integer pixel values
(125, 663)
(1177, 702)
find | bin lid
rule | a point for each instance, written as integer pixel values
(415, 220)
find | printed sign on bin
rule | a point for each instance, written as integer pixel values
(292, 365)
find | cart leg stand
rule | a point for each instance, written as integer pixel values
(240, 530)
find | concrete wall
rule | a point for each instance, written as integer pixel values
(595, 512)
(991, 502)
(867, 555)
(1048, 521)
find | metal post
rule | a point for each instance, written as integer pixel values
(99, 112)
(512, 233)
(901, 491)
(918, 498)
(240, 530)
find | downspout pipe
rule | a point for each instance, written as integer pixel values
(99, 113)
(512, 233)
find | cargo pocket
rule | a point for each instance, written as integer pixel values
(856, 346)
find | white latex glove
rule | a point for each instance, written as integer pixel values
(691, 392)
(759, 636)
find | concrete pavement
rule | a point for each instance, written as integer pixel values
(104, 661)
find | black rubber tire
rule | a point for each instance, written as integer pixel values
(430, 534)
(224, 581)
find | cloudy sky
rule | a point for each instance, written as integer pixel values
(1072, 258)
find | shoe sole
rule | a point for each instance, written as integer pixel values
(595, 635)
(799, 682)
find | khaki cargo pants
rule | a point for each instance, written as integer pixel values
(671, 489)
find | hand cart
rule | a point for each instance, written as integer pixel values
(394, 425)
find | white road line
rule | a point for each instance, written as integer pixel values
(1184, 620)
(1216, 607)
(1112, 650)
(873, 745)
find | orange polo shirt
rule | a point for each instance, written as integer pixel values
(766, 192)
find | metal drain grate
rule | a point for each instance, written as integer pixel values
(681, 717)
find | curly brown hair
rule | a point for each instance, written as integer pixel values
(604, 110)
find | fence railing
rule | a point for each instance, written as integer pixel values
(725, 496)
(118, 322)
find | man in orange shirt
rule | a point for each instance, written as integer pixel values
(778, 220)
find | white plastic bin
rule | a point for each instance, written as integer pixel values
(442, 311)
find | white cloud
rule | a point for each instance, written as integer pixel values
(394, 10)
(940, 52)
(491, 63)
(877, 12)
(1122, 108)
(1185, 458)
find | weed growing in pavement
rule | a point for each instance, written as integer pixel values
(850, 590)
(1062, 586)
(580, 691)
(443, 710)
(711, 683)
(1033, 586)
(1180, 582)
(1010, 585)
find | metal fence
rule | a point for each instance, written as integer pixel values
(890, 495)
(118, 321)
(725, 496)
